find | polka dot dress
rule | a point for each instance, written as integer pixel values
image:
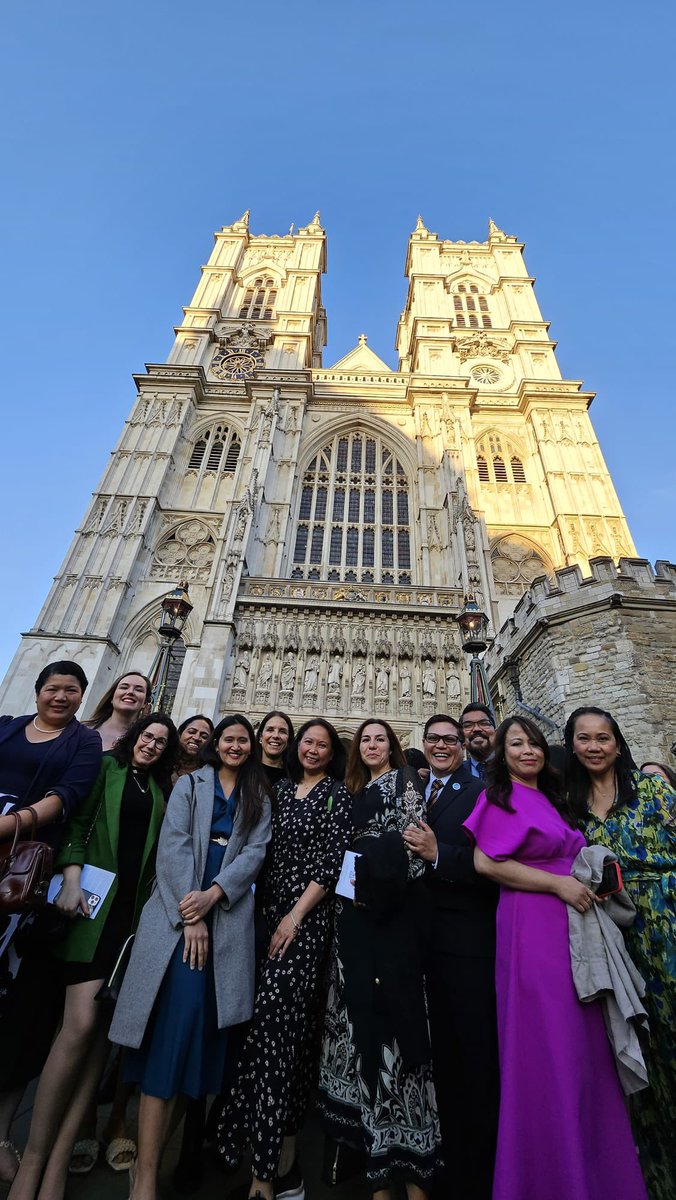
(279, 1060)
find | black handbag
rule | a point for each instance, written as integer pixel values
(109, 991)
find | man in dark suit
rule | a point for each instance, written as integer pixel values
(461, 970)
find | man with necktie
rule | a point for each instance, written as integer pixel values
(461, 968)
(478, 726)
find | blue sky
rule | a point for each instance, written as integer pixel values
(133, 131)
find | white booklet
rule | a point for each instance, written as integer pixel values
(345, 884)
(95, 883)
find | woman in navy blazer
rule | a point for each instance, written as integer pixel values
(49, 762)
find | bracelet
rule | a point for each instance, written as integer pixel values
(295, 923)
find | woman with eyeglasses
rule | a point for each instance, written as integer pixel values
(376, 1090)
(191, 973)
(116, 829)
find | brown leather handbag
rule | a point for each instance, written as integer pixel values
(25, 870)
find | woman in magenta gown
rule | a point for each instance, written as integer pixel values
(564, 1132)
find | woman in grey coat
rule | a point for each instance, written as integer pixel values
(191, 973)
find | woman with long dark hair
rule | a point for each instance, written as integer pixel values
(634, 815)
(274, 736)
(563, 1128)
(310, 831)
(123, 704)
(376, 1090)
(193, 735)
(191, 973)
(116, 829)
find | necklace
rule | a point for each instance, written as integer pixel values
(141, 788)
(301, 795)
(49, 732)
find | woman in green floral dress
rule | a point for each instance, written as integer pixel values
(635, 816)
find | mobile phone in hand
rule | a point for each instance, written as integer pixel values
(611, 881)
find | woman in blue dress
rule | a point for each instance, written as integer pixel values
(191, 974)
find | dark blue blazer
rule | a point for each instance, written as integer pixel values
(465, 902)
(69, 767)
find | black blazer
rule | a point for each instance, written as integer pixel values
(465, 903)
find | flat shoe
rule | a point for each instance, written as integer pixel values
(120, 1153)
(84, 1157)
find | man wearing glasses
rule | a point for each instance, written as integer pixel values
(460, 971)
(478, 726)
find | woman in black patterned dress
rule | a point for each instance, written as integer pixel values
(311, 829)
(376, 1089)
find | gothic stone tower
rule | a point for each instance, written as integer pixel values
(329, 520)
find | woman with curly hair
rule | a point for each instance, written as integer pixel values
(563, 1128)
(634, 815)
(117, 829)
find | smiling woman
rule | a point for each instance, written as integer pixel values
(120, 706)
(191, 974)
(310, 832)
(117, 830)
(526, 840)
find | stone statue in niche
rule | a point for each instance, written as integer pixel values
(265, 674)
(383, 680)
(429, 683)
(452, 686)
(359, 680)
(228, 579)
(405, 681)
(335, 674)
(433, 538)
(288, 673)
(242, 668)
(311, 677)
(240, 523)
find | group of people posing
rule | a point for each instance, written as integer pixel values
(403, 938)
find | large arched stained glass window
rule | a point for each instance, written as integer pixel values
(353, 516)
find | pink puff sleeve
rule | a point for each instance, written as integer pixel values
(498, 833)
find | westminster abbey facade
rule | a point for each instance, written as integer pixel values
(329, 519)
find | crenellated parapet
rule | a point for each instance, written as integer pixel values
(607, 638)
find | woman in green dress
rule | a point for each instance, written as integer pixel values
(634, 815)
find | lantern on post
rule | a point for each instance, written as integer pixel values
(176, 608)
(474, 632)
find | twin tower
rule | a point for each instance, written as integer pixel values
(329, 519)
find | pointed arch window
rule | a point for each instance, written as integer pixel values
(471, 308)
(353, 514)
(215, 450)
(259, 300)
(496, 463)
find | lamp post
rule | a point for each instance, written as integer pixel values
(474, 630)
(176, 608)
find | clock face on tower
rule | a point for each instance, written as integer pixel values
(236, 364)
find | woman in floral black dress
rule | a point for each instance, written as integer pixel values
(375, 1089)
(311, 829)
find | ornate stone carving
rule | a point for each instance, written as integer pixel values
(405, 682)
(433, 536)
(264, 679)
(246, 637)
(311, 677)
(240, 674)
(515, 565)
(287, 678)
(428, 646)
(383, 680)
(406, 648)
(335, 675)
(240, 353)
(360, 645)
(429, 683)
(383, 645)
(188, 551)
(358, 689)
(336, 641)
(314, 641)
(452, 686)
(481, 345)
(269, 636)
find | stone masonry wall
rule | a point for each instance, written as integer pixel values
(608, 639)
